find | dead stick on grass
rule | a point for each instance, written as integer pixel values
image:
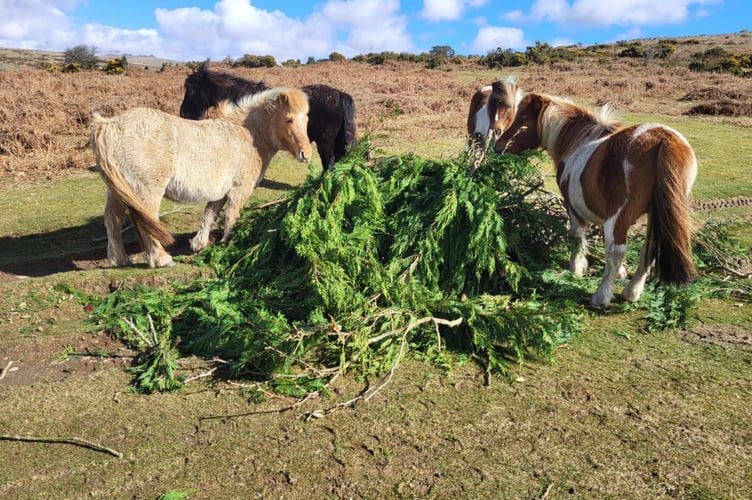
(5, 370)
(373, 390)
(71, 440)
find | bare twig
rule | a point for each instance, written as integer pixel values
(548, 490)
(371, 391)
(272, 203)
(202, 375)
(66, 440)
(5, 370)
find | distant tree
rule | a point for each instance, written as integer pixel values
(251, 61)
(442, 51)
(311, 60)
(337, 57)
(82, 55)
(501, 58)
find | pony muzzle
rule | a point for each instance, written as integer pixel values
(304, 156)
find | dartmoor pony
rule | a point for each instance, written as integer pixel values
(145, 154)
(480, 117)
(331, 123)
(610, 176)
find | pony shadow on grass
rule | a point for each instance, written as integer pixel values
(276, 186)
(77, 248)
(84, 247)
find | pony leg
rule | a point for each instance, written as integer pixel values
(208, 218)
(634, 288)
(236, 200)
(156, 255)
(577, 232)
(114, 214)
(615, 254)
(232, 212)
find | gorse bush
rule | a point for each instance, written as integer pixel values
(360, 266)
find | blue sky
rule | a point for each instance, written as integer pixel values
(192, 30)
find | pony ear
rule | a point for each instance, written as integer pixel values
(533, 103)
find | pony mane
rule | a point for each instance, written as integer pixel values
(268, 98)
(570, 123)
(500, 91)
(224, 85)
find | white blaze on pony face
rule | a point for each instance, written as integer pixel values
(482, 123)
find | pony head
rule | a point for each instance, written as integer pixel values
(501, 105)
(523, 131)
(197, 100)
(205, 89)
(291, 122)
(282, 111)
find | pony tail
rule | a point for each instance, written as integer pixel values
(670, 226)
(110, 173)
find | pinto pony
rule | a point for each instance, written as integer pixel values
(610, 176)
(331, 123)
(146, 154)
(481, 118)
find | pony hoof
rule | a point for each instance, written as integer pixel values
(597, 300)
(197, 246)
(162, 263)
(630, 296)
(122, 263)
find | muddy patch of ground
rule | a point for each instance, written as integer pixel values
(722, 335)
(52, 359)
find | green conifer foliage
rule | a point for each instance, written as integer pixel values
(368, 262)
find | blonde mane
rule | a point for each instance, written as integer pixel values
(296, 98)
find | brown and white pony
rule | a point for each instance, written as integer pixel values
(610, 176)
(146, 154)
(481, 118)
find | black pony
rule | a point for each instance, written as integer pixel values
(331, 119)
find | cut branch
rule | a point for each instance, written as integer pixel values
(66, 440)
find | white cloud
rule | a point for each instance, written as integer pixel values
(109, 40)
(230, 28)
(372, 26)
(34, 24)
(447, 10)
(236, 27)
(600, 13)
(492, 37)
